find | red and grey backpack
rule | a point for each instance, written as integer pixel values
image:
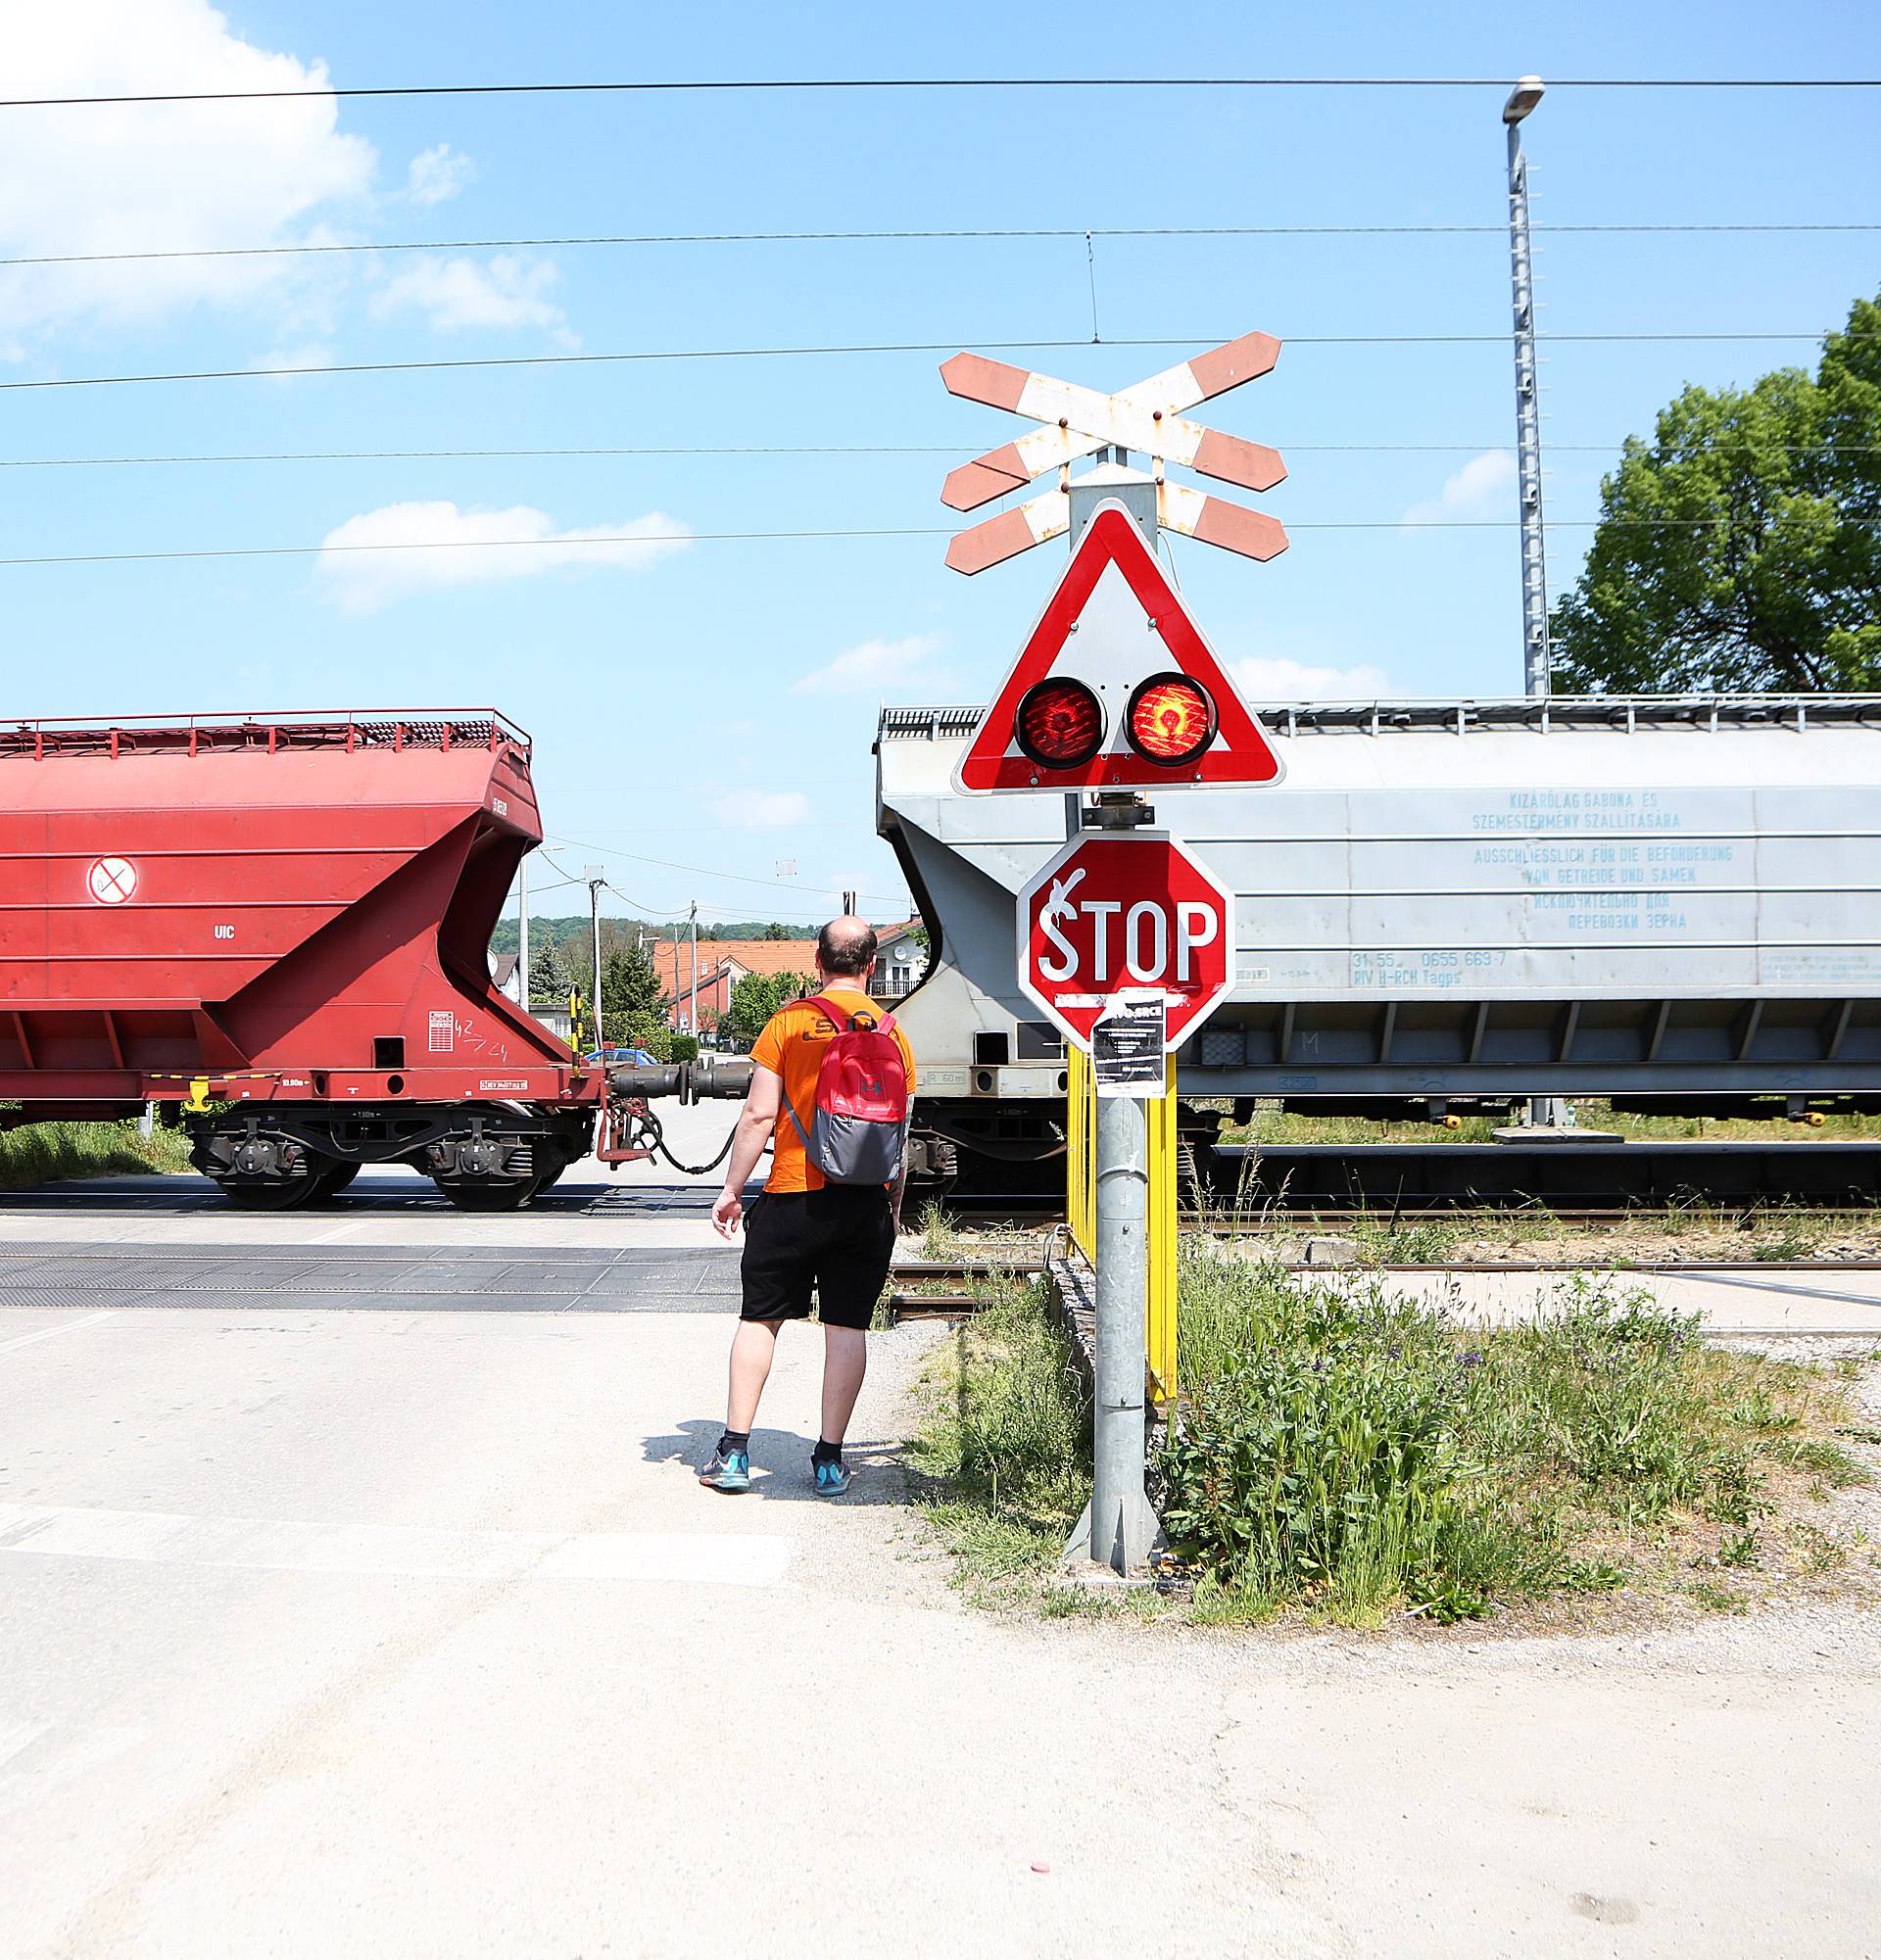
(859, 1122)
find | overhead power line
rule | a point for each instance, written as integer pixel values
(566, 243)
(773, 537)
(886, 346)
(846, 449)
(701, 871)
(905, 84)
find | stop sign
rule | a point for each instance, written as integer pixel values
(1129, 909)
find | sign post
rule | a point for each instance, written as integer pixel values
(1127, 943)
(1125, 940)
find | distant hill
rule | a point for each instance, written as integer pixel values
(574, 928)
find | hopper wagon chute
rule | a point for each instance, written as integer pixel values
(287, 918)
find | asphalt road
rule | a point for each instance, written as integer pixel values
(399, 1626)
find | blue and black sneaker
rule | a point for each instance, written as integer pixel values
(831, 1478)
(730, 1471)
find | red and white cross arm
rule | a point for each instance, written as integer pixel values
(1077, 420)
(1212, 519)
(1013, 531)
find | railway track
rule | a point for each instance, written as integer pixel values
(1246, 1189)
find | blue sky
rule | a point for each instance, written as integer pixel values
(710, 703)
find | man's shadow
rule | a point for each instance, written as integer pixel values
(781, 1464)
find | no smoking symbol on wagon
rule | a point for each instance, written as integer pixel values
(112, 880)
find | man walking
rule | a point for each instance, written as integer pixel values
(826, 1218)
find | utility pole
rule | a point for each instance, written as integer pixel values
(692, 1012)
(1522, 98)
(595, 880)
(522, 933)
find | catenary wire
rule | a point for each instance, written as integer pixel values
(900, 84)
(883, 531)
(328, 249)
(896, 346)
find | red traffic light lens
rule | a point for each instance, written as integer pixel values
(1171, 720)
(1060, 724)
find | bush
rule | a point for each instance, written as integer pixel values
(682, 1048)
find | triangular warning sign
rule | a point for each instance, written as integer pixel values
(1115, 623)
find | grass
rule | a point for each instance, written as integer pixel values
(1349, 1454)
(1344, 1450)
(38, 1153)
(1005, 1453)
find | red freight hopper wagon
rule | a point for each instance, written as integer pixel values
(288, 916)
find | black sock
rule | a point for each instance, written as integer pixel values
(738, 1440)
(826, 1451)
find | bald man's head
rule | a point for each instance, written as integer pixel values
(846, 948)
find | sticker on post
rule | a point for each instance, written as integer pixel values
(1129, 1044)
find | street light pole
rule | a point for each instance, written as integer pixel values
(1522, 98)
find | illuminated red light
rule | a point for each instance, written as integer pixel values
(1171, 720)
(1060, 724)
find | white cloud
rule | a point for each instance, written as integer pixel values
(1484, 488)
(159, 175)
(510, 289)
(763, 809)
(473, 548)
(863, 669)
(1280, 680)
(437, 175)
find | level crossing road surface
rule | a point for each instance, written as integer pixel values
(406, 1630)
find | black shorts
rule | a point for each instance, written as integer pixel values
(839, 1239)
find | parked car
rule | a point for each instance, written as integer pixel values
(620, 1058)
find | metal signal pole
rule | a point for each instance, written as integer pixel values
(1522, 98)
(1120, 1529)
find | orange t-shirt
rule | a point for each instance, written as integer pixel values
(792, 1048)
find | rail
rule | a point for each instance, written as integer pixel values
(295, 730)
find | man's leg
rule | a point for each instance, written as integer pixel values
(753, 1348)
(845, 1361)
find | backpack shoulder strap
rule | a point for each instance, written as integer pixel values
(829, 1009)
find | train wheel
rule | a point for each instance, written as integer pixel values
(492, 1196)
(333, 1179)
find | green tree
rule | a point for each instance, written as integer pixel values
(549, 979)
(631, 1000)
(1741, 549)
(758, 996)
(775, 930)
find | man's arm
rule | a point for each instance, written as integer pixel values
(755, 1122)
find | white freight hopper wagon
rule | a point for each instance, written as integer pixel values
(1676, 902)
